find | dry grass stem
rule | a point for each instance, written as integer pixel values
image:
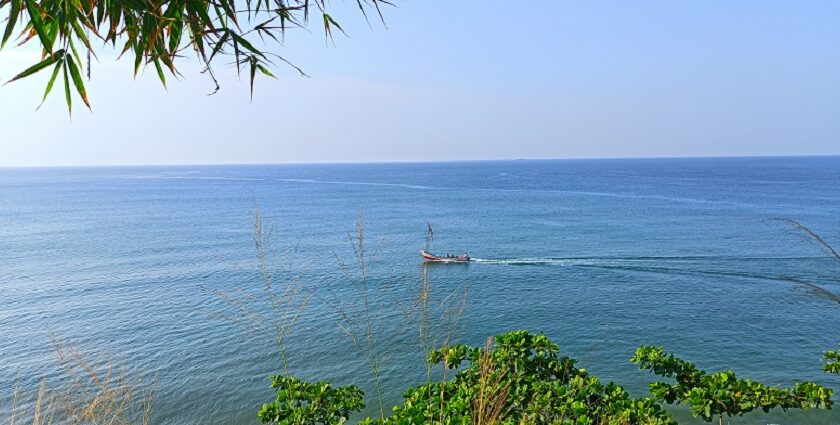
(97, 392)
(488, 407)
(15, 401)
(101, 392)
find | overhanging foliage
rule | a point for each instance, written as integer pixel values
(160, 32)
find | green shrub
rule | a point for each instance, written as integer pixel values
(519, 379)
(304, 403)
(722, 393)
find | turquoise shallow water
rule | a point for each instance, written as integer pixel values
(601, 255)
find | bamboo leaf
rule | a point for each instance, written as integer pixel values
(160, 72)
(38, 25)
(379, 10)
(247, 44)
(362, 9)
(77, 80)
(228, 7)
(138, 58)
(75, 52)
(200, 8)
(328, 22)
(100, 13)
(115, 13)
(236, 55)
(52, 28)
(37, 67)
(332, 21)
(219, 45)
(67, 90)
(135, 5)
(176, 31)
(52, 81)
(265, 71)
(253, 63)
(80, 32)
(167, 60)
(10, 24)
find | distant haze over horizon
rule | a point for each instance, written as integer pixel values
(447, 82)
(386, 162)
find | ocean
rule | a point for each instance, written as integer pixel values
(600, 255)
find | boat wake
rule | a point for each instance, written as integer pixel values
(715, 267)
(607, 262)
(536, 261)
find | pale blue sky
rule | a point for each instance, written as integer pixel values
(452, 80)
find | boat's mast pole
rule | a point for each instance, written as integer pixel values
(430, 236)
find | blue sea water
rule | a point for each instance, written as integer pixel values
(601, 255)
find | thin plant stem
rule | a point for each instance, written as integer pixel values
(276, 309)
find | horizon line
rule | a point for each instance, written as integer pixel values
(432, 161)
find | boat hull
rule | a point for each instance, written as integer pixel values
(429, 257)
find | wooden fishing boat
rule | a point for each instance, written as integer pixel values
(428, 256)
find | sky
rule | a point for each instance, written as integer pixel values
(469, 80)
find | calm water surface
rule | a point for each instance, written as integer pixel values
(601, 255)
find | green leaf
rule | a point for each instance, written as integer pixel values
(219, 45)
(160, 72)
(38, 25)
(228, 7)
(38, 66)
(328, 21)
(100, 13)
(265, 71)
(10, 24)
(163, 57)
(176, 30)
(201, 9)
(75, 52)
(67, 90)
(253, 61)
(77, 80)
(138, 58)
(80, 32)
(135, 5)
(245, 43)
(52, 81)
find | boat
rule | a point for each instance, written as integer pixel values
(428, 256)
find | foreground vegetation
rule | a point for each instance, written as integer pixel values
(519, 378)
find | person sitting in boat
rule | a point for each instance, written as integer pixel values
(467, 256)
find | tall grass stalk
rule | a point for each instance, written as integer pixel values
(44, 413)
(276, 307)
(14, 408)
(446, 315)
(422, 303)
(447, 312)
(362, 330)
(812, 236)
